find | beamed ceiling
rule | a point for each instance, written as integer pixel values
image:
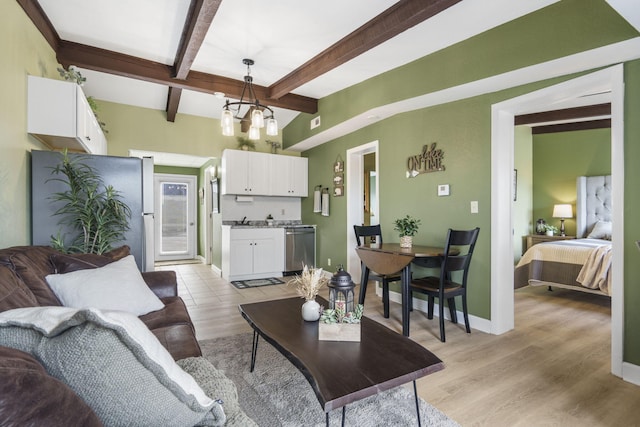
(181, 55)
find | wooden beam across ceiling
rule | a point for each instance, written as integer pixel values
(564, 114)
(199, 18)
(393, 21)
(119, 64)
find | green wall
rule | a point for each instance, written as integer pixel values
(564, 28)
(23, 51)
(631, 209)
(558, 159)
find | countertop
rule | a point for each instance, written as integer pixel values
(263, 224)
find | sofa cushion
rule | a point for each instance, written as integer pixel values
(113, 362)
(13, 292)
(29, 396)
(116, 286)
(67, 263)
(179, 340)
(174, 312)
(31, 264)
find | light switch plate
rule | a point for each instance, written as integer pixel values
(443, 189)
(474, 206)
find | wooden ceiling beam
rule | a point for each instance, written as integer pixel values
(393, 21)
(92, 58)
(199, 18)
(173, 100)
(195, 30)
(573, 126)
(564, 114)
(34, 11)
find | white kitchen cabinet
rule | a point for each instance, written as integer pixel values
(59, 115)
(290, 176)
(246, 172)
(252, 253)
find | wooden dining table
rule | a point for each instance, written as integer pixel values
(390, 258)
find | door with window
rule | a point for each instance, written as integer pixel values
(175, 217)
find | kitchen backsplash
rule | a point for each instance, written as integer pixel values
(281, 208)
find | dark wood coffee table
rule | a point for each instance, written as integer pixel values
(339, 372)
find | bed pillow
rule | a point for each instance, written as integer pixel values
(602, 230)
(113, 362)
(116, 286)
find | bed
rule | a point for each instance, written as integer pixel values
(581, 264)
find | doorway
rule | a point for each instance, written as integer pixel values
(175, 217)
(355, 194)
(608, 83)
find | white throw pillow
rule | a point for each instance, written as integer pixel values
(113, 362)
(602, 230)
(116, 286)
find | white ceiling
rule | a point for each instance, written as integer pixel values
(279, 35)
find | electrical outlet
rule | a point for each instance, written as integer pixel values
(474, 206)
(329, 262)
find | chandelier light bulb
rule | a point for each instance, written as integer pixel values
(254, 133)
(272, 127)
(257, 118)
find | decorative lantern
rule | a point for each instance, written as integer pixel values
(341, 291)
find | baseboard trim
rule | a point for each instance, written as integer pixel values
(478, 323)
(216, 270)
(631, 373)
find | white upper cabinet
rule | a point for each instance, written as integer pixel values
(245, 172)
(59, 115)
(290, 176)
(262, 174)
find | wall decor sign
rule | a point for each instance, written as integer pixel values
(430, 160)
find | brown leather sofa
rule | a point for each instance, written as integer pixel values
(22, 379)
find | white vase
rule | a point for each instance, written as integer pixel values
(311, 311)
(406, 241)
(549, 232)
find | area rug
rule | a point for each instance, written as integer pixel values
(277, 394)
(243, 284)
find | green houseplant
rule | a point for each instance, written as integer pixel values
(93, 211)
(407, 228)
(245, 143)
(550, 229)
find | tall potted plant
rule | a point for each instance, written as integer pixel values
(94, 212)
(407, 228)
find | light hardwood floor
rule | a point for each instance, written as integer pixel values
(552, 370)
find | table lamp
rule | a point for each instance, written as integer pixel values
(562, 212)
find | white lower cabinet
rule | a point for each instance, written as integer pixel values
(252, 253)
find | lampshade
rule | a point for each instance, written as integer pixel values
(254, 133)
(257, 118)
(562, 211)
(272, 127)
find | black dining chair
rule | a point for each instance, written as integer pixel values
(444, 287)
(374, 234)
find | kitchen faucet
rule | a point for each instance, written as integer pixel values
(243, 220)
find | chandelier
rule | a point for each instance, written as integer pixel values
(256, 110)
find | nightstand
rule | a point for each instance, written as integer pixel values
(534, 239)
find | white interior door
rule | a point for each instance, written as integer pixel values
(175, 217)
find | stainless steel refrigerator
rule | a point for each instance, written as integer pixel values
(131, 176)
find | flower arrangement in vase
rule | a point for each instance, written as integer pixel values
(407, 227)
(550, 230)
(308, 284)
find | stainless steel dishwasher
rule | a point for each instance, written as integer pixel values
(299, 248)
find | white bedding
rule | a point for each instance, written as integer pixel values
(593, 255)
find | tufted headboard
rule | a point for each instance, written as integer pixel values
(593, 202)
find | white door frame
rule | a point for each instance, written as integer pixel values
(209, 174)
(502, 155)
(354, 192)
(192, 188)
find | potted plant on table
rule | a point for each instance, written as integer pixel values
(550, 230)
(407, 227)
(308, 284)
